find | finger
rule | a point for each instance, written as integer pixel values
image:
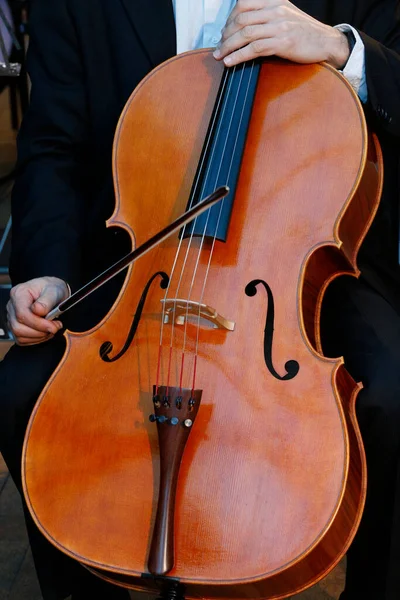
(244, 37)
(30, 342)
(21, 304)
(21, 319)
(251, 51)
(244, 6)
(25, 336)
(50, 297)
(253, 17)
(21, 331)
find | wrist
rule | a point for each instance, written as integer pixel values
(338, 49)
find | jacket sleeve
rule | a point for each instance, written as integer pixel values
(380, 32)
(48, 201)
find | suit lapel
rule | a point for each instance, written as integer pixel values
(154, 23)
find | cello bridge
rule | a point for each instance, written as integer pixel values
(180, 310)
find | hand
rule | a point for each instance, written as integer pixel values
(28, 305)
(277, 27)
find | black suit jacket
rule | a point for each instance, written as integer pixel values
(85, 58)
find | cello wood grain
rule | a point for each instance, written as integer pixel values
(272, 481)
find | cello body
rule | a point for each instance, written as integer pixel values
(272, 480)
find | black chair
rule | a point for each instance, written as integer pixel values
(5, 285)
(16, 80)
(18, 85)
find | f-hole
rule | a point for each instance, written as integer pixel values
(292, 367)
(107, 347)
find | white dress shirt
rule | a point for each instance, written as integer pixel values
(199, 24)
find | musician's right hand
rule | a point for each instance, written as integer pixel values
(29, 303)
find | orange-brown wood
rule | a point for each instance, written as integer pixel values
(272, 481)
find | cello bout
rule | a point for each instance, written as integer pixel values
(272, 479)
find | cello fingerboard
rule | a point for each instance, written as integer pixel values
(223, 149)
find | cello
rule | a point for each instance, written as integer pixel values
(197, 441)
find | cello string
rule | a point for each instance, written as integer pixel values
(192, 232)
(216, 227)
(202, 239)
(191, 202)
(189, 245)
(222, 96)
(214, 239)
(220, 210)
(226, 81)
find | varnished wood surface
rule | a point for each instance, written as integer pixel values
(17, 575)
(264, 476)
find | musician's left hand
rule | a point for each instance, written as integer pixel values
(277, 27)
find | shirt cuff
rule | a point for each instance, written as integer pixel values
(354, 70)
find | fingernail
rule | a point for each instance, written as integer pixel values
(217, 53)
(228, 61)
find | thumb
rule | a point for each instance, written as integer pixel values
(50, 297)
